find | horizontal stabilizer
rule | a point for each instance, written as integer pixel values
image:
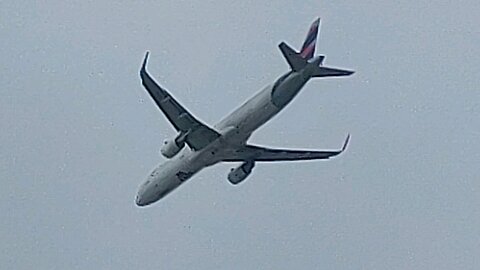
(330, 72)
(294, 59)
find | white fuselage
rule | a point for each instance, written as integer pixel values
(235, 130)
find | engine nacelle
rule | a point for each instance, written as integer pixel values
(171, 147)
(239, 174)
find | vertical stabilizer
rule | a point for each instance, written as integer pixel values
(308, 48)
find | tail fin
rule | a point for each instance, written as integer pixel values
(299, 61)
(308, 48)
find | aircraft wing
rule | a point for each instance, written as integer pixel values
(258, 153)
(198, 134)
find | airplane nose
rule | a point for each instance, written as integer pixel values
(139, 201)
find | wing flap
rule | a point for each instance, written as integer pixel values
(199, 135)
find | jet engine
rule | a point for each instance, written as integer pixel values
(239, 174)
(171, 147)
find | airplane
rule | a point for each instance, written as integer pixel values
(227, 140)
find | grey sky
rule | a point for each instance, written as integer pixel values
(79, 134)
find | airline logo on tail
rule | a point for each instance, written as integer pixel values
(308, 48)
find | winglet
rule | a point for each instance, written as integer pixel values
(345, 143)
(144, 65)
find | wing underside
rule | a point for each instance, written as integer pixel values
(198, 134)
(258, 153)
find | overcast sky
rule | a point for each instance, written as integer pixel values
(79, 134)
